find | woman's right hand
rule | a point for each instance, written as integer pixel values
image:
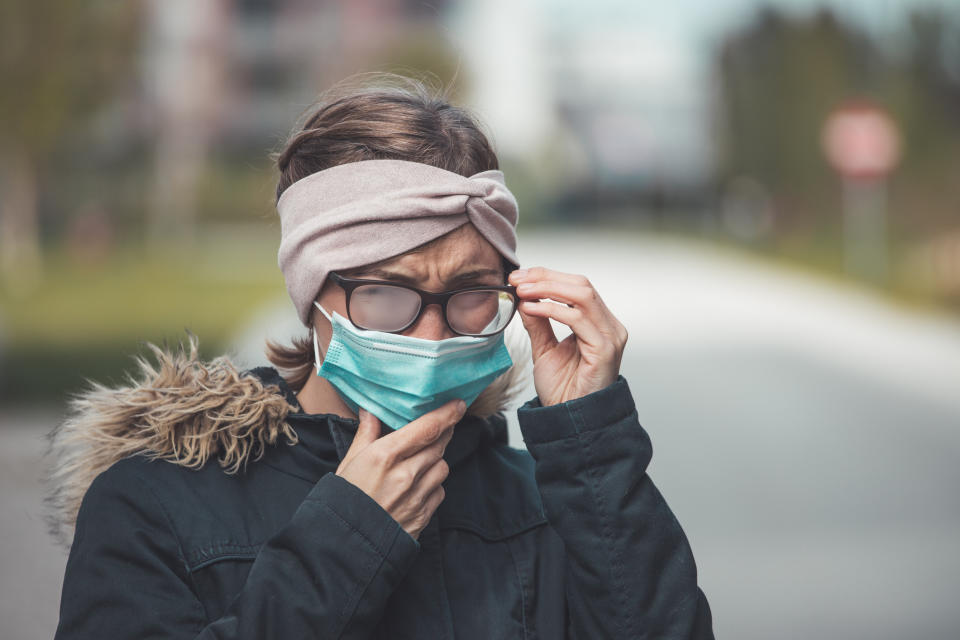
(403, 470)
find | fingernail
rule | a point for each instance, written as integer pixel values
(520, 273)
(461, 406)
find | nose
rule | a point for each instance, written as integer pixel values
(430, 325)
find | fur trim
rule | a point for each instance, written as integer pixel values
(185, 411)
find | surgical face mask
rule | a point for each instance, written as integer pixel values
(399, 378)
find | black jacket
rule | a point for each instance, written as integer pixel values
(569, 539)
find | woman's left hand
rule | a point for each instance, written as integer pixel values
(585, 361)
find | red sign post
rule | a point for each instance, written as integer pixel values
(862, 143)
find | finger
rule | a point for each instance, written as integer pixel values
(426, 480)
(426, 429)
(429, 507)
(542, 337)
(580, 296)
(427, 457)
(535, 274)
(435, 476)
(576, 295)
(434, 499)
(367, 432)
(575, 318)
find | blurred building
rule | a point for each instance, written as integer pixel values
(275, 57)
(599, 105)
(231, 77)
(626, 106)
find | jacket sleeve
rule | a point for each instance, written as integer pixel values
(630, 572)
(326, 574)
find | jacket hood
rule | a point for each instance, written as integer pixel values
(185, 411)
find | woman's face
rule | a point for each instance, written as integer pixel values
(461, 258)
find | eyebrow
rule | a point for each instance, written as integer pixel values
(466, 276)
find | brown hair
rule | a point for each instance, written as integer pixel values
(367, 117)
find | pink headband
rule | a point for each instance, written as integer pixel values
(363, 212)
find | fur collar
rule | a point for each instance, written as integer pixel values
(187, 411)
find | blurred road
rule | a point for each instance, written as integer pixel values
(31, 565)
(806, 435)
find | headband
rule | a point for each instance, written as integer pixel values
(359, 213)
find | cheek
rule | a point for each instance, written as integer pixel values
(323, 334)
(320, 341)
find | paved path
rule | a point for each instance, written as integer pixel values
(31, 565)
(806, 435)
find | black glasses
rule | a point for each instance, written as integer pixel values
(379, 305)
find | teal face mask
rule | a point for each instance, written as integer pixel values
(399, 378)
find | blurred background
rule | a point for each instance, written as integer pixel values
(766, 194)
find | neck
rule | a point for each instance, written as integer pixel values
(319, 396)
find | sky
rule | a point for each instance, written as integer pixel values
(701, 20)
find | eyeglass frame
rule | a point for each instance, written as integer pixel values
(426, 299)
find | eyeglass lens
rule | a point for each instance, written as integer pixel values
(387, 308)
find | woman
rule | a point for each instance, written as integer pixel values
(356, 494)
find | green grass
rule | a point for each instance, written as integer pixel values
(89, 320)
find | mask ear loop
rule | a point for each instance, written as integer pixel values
(313, 330)
(316, 352)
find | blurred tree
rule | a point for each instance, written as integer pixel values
(778, 80)
(926, 98)
(925, 198)
(60, 61)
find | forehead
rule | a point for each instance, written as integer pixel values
(461, 247)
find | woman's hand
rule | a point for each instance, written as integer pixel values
(585, 361)
(404, 470)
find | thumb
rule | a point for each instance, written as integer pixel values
(367, 432)
(542, 337)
